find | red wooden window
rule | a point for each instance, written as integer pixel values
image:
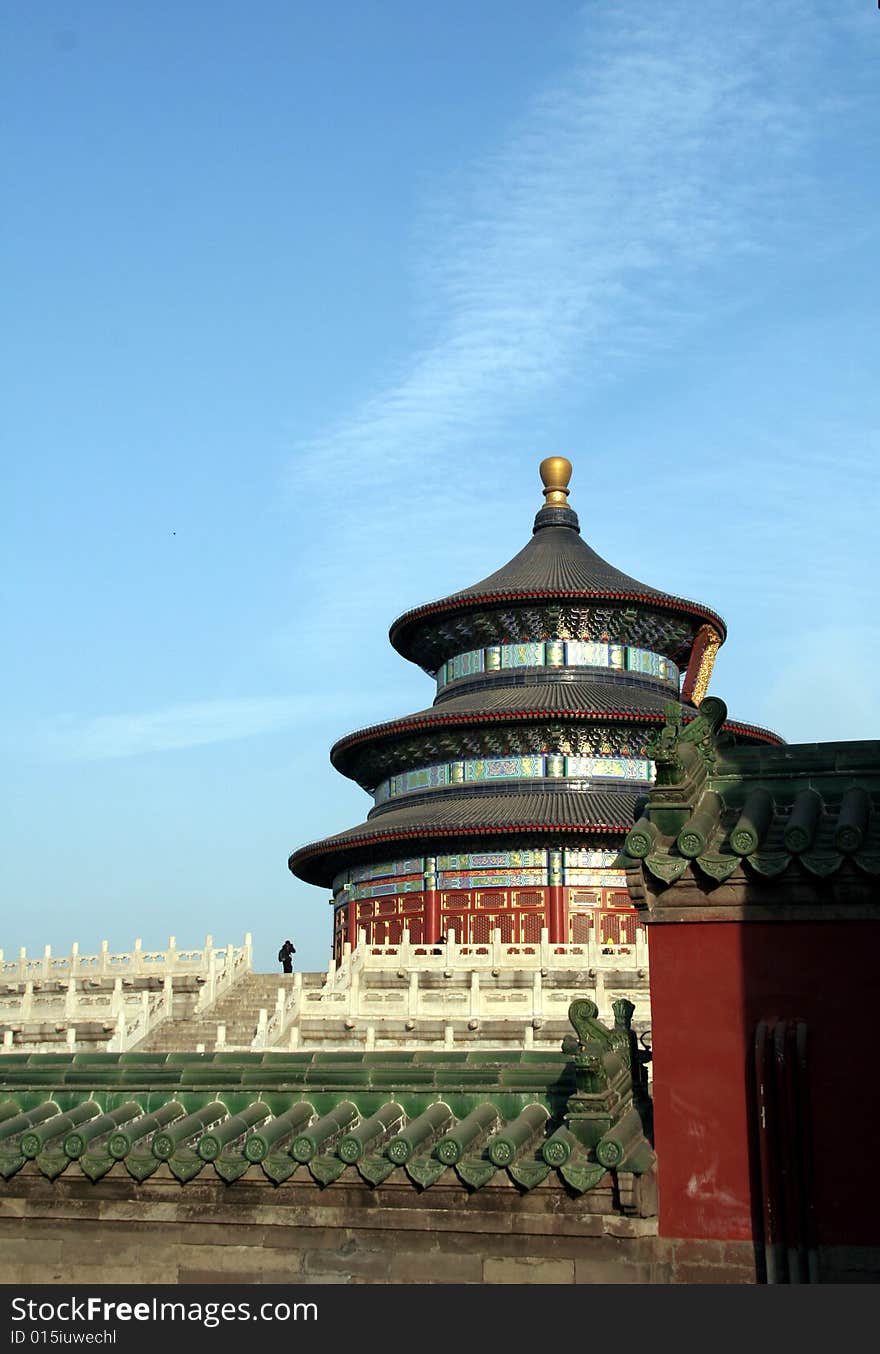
(530, 926)
(580, 926)
(528, 898)
(492, 898)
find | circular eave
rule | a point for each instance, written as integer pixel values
(580, 702)
(543, 815)
(576, 702)
(404, 728)
(345, 759)
(404, 632)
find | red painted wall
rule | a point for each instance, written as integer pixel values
(711, 983)
(572, 915)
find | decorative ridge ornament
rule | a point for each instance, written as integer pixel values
(555, 472)
(603, 1125)
(754, 834)
(678, 749)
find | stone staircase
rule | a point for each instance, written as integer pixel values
(237, 1009)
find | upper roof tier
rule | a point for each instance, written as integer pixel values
(557, 566)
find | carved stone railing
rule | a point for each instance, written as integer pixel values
(493, 954)
(127, 1015)
(133, 1024)
(75, 990)
(375, 984)
(224, 967)
(288, 1005)
(136, 962)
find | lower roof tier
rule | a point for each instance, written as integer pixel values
(534, 816)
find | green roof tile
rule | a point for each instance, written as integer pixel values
(409, 1077)
(294, 1077)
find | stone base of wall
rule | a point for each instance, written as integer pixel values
(69, 1231)
(115, 1231)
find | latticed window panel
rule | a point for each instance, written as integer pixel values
(528, 898)
(508, 926)
(608, 928)
(628, 926)
(584, 897)
(618, 928)
(580, 926)
(530, 927)
(494, 899)
(480, 929)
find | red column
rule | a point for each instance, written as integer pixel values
(432, 901)
(556, 920)
(352, 923)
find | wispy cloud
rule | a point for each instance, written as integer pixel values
(642, 197)
(183, 726)
(671, 142)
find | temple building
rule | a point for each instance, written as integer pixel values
(403, 1119)
(503, 806)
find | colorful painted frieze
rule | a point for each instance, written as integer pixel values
(575, 653)
(383, 890)
(382, 870)
(584, 859)
(503, 879)
(596, 879)
(510, 860)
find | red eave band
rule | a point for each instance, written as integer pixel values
(481, 717)
(520, 716)
(667, 602)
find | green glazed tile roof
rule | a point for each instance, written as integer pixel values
(325, 1113)
(812, 808)
(315, 1114)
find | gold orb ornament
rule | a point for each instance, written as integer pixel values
(555, 473)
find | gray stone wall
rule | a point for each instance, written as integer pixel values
(70, 1231)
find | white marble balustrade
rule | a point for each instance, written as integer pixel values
(397, 990)
(77, 990)
(136, 962)
(493, 954)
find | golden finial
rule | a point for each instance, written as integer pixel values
(555, 473)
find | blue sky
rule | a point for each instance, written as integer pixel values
(296, 298)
